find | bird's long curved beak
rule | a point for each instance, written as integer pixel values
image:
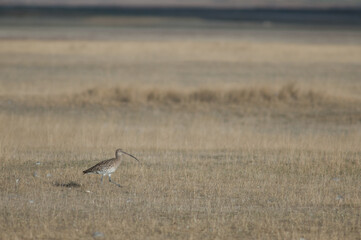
(130, 155)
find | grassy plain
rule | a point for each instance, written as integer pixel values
(240, 138)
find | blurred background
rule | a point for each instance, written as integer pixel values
(186, 43)
(189, 3)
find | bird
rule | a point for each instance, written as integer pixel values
(107, 167)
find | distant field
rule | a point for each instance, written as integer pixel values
(244, 132)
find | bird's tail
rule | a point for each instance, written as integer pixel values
(86, 171)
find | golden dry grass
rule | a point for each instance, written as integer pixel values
(266, 160)
(203, 177)
(58, 67)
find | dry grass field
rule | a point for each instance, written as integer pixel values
(239, 138)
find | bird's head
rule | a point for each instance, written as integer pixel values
(119, 152)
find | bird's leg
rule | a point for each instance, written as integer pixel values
(110, 180)
(101, 180)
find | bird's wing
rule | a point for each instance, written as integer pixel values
(98, 166)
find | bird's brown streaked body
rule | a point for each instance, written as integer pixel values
(107, 167)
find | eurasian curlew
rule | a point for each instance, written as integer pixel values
(107, 167)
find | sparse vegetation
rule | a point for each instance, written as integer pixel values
(242, 96)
